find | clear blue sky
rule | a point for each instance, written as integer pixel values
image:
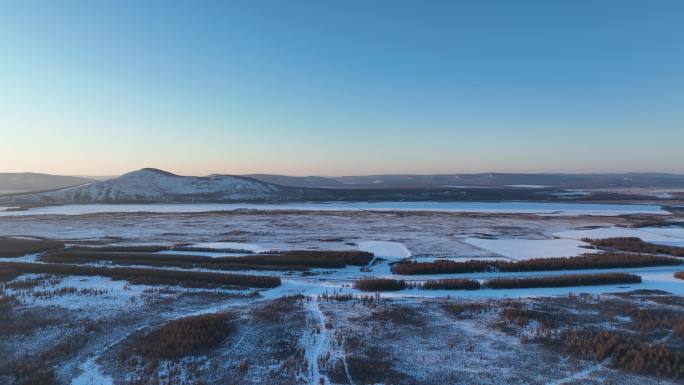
(342, 87)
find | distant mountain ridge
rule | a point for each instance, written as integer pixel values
(439, 181)
(12, 183)
(153, 185)
(150, 185)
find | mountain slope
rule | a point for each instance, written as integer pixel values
(151, 185)
(299, 181)
(29, 181)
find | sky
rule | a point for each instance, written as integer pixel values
(341, 87)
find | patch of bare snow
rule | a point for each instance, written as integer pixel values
(91, 375)
(521, 249)
(385, 249)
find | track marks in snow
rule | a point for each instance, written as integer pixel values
(315, 342)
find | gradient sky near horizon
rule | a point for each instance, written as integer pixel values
(341, 87)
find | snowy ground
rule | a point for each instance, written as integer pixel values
(313, 340)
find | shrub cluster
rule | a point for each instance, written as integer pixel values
(289, 260)
(451, 284)
(379, 284)
(121, 249)
(148, 276)
(591, 261)
(8, 275)
(14, 247)
(185, 336)
(635, 245)
(563, 281)
(626, 352)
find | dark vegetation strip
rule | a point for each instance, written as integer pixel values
(147, 276)
(13, 247)
(591, 261)
(563, 281)
(212, 250)
(379, 284)
(156, 249)
(121, 249)
(295, 260)
(8, 275)
(385, 284)
(451, 284)
(185, 336)
(635, 245)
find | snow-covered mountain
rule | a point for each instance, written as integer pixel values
(152, 185)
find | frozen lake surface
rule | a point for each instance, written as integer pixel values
(465, 207)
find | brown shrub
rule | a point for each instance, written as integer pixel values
(12, 247)
(290, 260)
(379, 284)
(274, 310)
(627, 352)
(563, 281)
(466, 310)
(402, 315)
(679, 275)
(8, 275)
(592, 261)
(635, 245)
(451, 284)
(185, 336)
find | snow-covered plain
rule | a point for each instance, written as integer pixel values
(385, 249)
(462, 207)
(520, 249)
(392, 236)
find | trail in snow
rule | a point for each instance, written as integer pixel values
(576, 376)
(314, 345)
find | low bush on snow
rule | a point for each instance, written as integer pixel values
(563, 281)
(635, 245)
(592, 261)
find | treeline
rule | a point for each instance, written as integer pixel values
(635, 245)
(148, 276)
(289, 260)
(121, 249)
(590, 261)
(625, 351)
(385, 284)
(451, 284)
(563, 281)
(15, 247)
(380, 284)
(185, 336)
